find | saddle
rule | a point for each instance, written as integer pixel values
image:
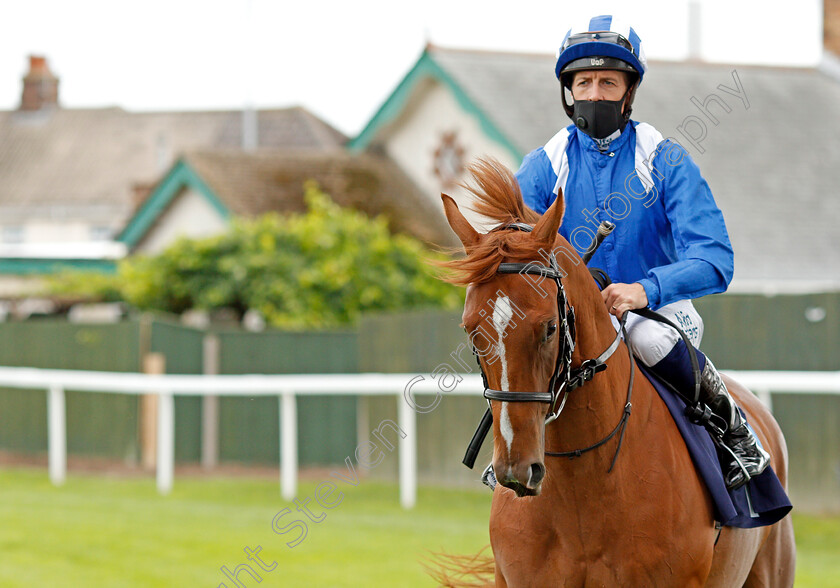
(762, 501)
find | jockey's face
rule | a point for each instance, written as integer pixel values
(599, 84)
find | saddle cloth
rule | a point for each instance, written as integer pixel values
(762, 501)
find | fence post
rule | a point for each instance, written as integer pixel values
(155, 364)
(165, 442)
(288, 444)
(210, 405)
(57, 434)
(408, 453)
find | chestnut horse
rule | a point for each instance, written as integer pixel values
(646, 521)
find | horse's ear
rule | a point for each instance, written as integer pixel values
(545, 231)
(462, 227)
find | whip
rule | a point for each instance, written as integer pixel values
(604, 229)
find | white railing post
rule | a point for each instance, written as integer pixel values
(288, 444)
(57, 434)
(765, 397)
(165, 442)
(408, 453)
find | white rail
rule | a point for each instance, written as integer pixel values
(287, 388)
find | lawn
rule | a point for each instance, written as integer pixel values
(118, 532)
(100, 530)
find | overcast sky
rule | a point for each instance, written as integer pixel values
(341, 59)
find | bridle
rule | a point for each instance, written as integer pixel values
(560, 379)
(564, 379)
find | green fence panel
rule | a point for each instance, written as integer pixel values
(412, 342)
(58, 344)
(23, 420)
(783, 332)
(249, 427)
(811, 425)
(97, 424)
(182, 347)
(249, 430)
(418, 343)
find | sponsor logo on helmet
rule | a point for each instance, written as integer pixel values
(596, 61)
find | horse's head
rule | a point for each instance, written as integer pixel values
(512, 319)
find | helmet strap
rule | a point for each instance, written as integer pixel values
(630, 95)
(569, 108)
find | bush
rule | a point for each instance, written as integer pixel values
(318, 269)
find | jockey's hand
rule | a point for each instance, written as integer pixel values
(619, 298)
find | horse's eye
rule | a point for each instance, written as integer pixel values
(550, 329)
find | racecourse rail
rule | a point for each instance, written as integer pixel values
(287, 388)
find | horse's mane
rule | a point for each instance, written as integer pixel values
(496, 196)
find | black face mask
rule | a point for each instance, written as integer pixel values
(599, 118)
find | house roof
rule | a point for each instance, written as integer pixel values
(770, 157)
(82, 163)
(248, 184)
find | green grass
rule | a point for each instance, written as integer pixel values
(818, 551)
(100, 530)
(106, 531)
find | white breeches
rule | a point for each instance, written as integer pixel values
(651, 341)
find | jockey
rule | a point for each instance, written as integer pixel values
(670, 243)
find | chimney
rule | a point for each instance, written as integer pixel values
(831, 26)
(40, 86)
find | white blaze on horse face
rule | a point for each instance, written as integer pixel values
(505, 427)
(502, 313)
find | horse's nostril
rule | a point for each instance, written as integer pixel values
(536, 474)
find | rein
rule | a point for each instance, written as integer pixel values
(564, 379)
(628, 406)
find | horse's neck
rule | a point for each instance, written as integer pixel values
(595, 329)
(593, 410)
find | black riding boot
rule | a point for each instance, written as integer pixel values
(742, 457)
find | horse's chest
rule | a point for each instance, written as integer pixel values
(594, 547)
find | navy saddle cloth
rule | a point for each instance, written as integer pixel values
(762, 501)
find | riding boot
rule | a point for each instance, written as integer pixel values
(742, 456)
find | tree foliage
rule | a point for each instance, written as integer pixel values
(318, 269)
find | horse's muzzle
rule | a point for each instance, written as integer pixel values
(533, 483)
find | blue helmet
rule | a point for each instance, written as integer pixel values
(604, 43)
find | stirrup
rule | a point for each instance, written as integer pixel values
(736, 473)
(700, 414)
(749, 459)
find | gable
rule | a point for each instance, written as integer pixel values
(180, 204)
(189, 215)
(427, 68)
(432, 127)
